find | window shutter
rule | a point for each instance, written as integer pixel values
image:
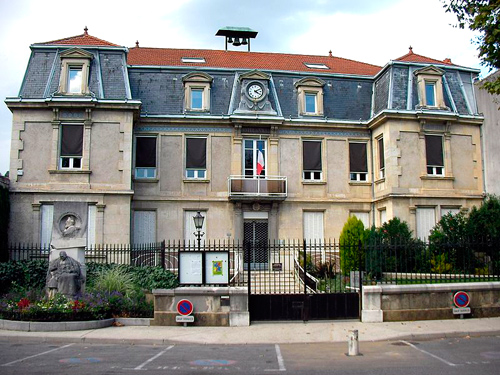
(426, 219)
(72, 140)
(145, 152)
(357, 157)
(381, 153)
(144, 227)
(196, 151)
(364, 217)
(190, 229)
(313, 227)
(46, 227)
(91, 227)
(311, 152)
(434, 150)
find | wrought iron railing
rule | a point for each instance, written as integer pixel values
(257, 186)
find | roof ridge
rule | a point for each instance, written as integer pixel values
(84, 35)
(411, 53)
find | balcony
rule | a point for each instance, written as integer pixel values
(271, 188)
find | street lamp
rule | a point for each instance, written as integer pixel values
(198, 223)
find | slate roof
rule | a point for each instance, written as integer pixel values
(413, 57)
(81, 40)
(248, 60)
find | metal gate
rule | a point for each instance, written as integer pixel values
(303, 282)
(256, 255)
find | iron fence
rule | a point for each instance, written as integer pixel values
(417, 262)
(310, 267)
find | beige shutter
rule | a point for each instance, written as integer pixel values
(364, 217)
(91, 225)
(190, 229)
(47, 220)
(144, 227)
(426, 219)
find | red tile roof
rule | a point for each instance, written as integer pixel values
(413, 57)
(82, 40)
(248, 60)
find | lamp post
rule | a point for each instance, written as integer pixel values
(198, 223)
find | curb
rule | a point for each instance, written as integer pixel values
(15, 325)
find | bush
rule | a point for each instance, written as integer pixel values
(24, 274)
(352, 234)
(115, 279)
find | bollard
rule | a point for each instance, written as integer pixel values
(353, 348)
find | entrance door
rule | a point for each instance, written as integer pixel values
(256, 244)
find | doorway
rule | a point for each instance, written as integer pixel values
(255, 236)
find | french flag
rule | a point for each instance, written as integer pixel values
(260, 160)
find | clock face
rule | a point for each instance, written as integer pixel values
(255, 91)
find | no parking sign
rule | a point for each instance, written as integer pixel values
(461, 300)
(185, 309)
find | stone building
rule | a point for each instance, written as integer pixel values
(265, 145)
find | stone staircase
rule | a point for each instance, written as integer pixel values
(273, 282)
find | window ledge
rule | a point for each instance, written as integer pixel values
(146, 180)
(195, 111)
(69, 171)
(360, 183)
(446, 178)
(309, 182)
(380, 180)
(195, 180)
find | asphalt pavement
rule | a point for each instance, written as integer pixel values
(271, 333)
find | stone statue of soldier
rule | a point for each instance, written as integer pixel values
(64, 276)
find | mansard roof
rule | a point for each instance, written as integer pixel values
(413, 57)
(81, 40)
(145, 56)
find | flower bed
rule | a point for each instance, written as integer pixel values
(89, 306)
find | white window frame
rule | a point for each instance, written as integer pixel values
(311, 94)
(201, 90)
(142, 172)
(75, 58)
(309, 86)
(190, 229)
(381, 170)
(313, 175)
(198, 173)
(436, 170)
(358, 176)
(197, 81)
(254, 156)
(71, 159)
(433, 84)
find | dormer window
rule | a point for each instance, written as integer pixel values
(75, 80)
(430, 87)
(193, 60)
(75, 64)
(197, 92)
(316, 66)
(430, 94)
(310, 96)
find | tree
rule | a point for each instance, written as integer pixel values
(482, 16)
(352, 233)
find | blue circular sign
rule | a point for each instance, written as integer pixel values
(184, 307)
(461, 299)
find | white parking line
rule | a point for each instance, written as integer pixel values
(281, 362)
(430, 354)
(140, 367)
(37, 355)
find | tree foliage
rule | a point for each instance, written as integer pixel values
(352, 233)
(482, 16)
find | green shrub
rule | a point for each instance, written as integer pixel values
(24, 274)
(115, 279)
(350, 255)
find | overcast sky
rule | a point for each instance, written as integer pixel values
(369, 31)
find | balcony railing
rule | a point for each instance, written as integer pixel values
(266, 187)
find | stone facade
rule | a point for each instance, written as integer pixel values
(128, 97)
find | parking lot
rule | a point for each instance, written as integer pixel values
(445, 356)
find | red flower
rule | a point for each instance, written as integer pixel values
(77, 305)
(23, 303)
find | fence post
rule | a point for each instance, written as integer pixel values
(162, 254)
(360, 248)
(305, 266)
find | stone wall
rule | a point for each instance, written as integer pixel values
(384, 303)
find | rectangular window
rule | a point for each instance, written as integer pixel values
(383, 216)
(434, 154)
(254, 162)
(357, 162)
(71, 146)
(190, 229)
(311, 159)
(145, 157)
(314, 233)
(196, 158)
(47, 219)
(75, 80)
(144, 227)
(310, 103)
(426, 219)
(430, 94)
(196, 98)
(364, 217)
(381, 158)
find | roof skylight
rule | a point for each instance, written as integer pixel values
(193, 60)
(316, 66)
